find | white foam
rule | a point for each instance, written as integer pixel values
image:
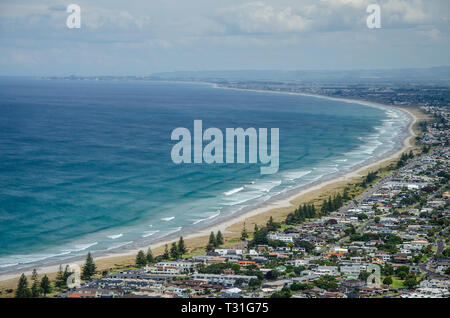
(115, 236)
(173, 231)
(118, 245)
(198, 221)
(233, 191)
(244, 197)
(265, 186)
(147, 234)
(297, 174)
(82, 247)
(168, 218)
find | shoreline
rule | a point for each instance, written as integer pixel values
(275, 203)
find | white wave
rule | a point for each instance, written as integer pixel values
(8, 265)
(213, 216)
(170, 218)
(233, 191)
(150, 233)
(173, 231)
(118, 245)
(115, 236)
(198, 221)
(297, 174)
(82, 247)
(208, 218)
(244, 197)
(265, 186)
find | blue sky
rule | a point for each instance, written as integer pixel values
(142, 37)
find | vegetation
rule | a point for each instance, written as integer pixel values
(141, 260)
(22, 290)
(89, 268)
(45, 286)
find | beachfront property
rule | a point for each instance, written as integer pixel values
(328, 269)
(399, 223)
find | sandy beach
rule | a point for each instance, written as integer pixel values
(231, 228)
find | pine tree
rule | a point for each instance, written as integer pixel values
(323, 209)
(174, 251)
(89, 268)
(149, 256)
(181, 246)
(35, 289)
(270, 223)
(66, 274)
(212, 240)
(339, 201)
(219, 238)
(329, 205)
(141, 260)
(244, 234)
(60, 278)
(22, 290)
(45, 286)
(346, 196)
(166, 254)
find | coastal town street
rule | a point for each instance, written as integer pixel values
(398, 223)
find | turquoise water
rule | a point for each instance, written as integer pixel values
(86, 165)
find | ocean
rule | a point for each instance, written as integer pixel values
(86, 165)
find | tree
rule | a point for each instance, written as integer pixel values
(285, 292)
(272, 275)
(149, 256)
(212, 240)
(141, 260)
(35, 289)
(60, 282)
(271, 223)
(308, 246)
(388, 269)
(89, 268)
(244, 234)
(46, 287)
(410, 283)
(181, 246)
(362, 217)
(327, 282)
(174, 251)
(254, 282)
(166, 254)
(447, 271)
(363, 275)
(219, 238)
(446, 252)
(260, 237)
(387, 280)
(22, 288)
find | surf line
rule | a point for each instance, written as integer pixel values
(213, 152)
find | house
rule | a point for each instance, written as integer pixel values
(351, 270)
(327, 270)
(223, 280)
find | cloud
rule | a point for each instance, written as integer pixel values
(258, 17)
(304, 16)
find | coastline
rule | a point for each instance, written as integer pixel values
(277, 206)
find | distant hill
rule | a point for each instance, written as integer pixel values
(416, 75)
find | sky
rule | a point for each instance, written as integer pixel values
(141, 37)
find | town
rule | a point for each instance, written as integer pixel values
(385, 236)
